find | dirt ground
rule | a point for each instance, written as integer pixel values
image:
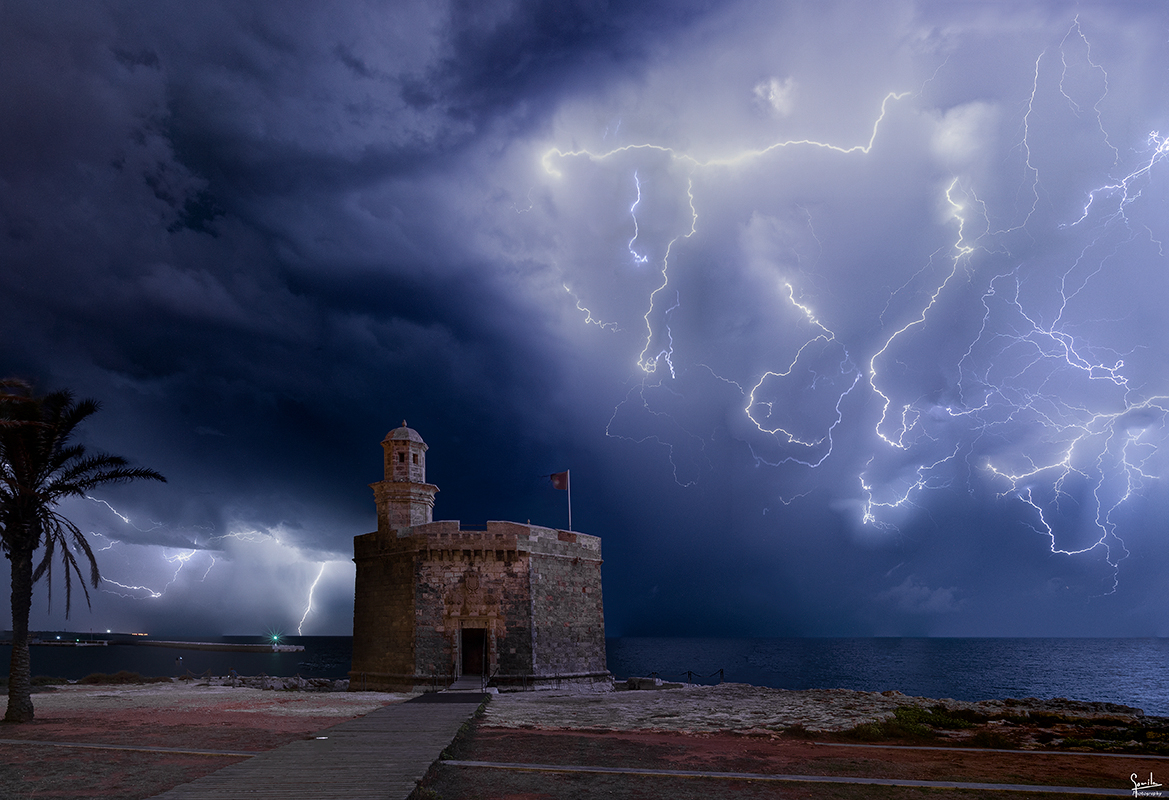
(185, 716)
(748, 729)
(733, 728)
(769, 755)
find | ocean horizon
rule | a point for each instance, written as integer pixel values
(1127, 671)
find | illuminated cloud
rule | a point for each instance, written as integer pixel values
(778, 95)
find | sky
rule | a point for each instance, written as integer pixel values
(847, 317)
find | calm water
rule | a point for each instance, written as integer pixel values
(1130, 671)
(323, 657)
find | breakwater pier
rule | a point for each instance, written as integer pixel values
(227, 647)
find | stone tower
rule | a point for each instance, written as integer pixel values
(519, 604)
(404, 498)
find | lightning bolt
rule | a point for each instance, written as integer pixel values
(908, 416)
(649, 364)
(308, 607)
(179, 560)
(720, 161)
(123, 517)
(638, 258)
(589, 320)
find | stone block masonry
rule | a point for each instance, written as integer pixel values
(433, 601)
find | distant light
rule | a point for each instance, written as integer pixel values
(58, 638)
(107, 631)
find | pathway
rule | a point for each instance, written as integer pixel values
(381, 755)
(771, 778)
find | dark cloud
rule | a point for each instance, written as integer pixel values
(845, 316)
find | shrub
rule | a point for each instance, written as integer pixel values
(913, 722)
(46, 680)
(993, 740)
(119, 678)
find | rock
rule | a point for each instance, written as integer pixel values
(644, 683)
(739, 707)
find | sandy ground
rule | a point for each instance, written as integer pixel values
(203, 697)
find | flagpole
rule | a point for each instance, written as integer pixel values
(568, 475)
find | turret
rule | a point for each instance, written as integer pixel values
(404, 498)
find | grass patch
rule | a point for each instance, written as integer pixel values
(911, 722)
(936, 717)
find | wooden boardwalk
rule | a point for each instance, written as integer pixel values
(381, 755)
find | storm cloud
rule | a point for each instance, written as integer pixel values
(848, 318)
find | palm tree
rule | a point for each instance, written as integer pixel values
(39, 468)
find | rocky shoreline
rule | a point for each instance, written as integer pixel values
(839, 714)
(741, 707)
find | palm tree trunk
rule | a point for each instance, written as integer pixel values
(20, 668)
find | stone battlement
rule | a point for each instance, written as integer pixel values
(450, 535)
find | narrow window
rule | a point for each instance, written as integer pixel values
(415, 457)
(401, 458)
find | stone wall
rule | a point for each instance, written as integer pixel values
(383, 611)
(472, 579)
(567, 607)
(535, 591)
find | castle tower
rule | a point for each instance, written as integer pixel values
(432, 601)
(404, 498)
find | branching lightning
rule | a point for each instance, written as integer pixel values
(656, 351)
(659, 341)
(205, 547)
(179, 560)
(1085, 460)
(1033, 400)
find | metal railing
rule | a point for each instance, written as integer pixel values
(488, 678)
(689, 674)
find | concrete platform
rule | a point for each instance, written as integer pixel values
(381, 755)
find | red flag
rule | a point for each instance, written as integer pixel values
(560, 480)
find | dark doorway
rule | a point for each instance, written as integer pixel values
(474, 651)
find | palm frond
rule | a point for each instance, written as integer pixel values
(40, 467)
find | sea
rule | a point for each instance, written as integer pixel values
(1133, 672)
